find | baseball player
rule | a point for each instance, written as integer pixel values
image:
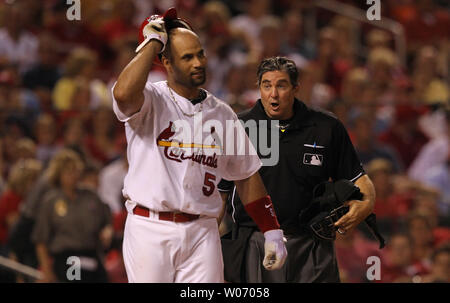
(171, 232)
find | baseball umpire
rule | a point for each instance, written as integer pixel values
(171, 232)
(313, 148)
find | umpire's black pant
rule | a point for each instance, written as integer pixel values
(309, 260)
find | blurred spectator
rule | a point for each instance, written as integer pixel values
(20, 234)
(378, 38)
(293, 39)
(74, 132)
(424, 22)
(421, 232)
(440, 268)
(100, 142)
(20, 181)
(14, 130)
(404, 134)
(353, 86)
(17, 45)
(224, 44)
(121, 28)
(382, 64)
(328, 67)
(429, 88)
(367, 147)
(391, 205)
(426, 205)
(123, 56)
(2, 180)
(233, 88)
(346, 37)
(249, 21)
(431, 166)
(57, 233)
(45, 72)
(80, 67)
(270, 36)
(45, 134)
(352, 251)
(397, 265)
(70, 34)
(111, 181)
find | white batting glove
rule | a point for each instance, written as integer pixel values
(275, 252)
(154, 29)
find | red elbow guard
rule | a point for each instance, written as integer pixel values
(263, 213)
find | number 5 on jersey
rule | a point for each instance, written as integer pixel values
(208, 189)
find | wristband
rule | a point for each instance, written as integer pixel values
(263, 213)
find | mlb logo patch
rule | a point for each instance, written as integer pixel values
(313, 159)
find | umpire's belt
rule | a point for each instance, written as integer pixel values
(174, 216)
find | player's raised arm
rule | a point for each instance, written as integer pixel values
(128, 90)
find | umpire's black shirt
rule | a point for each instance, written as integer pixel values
(314, 147)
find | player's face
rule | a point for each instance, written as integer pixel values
(277, 95)
(188, 60)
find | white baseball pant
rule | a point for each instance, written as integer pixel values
(157, 251)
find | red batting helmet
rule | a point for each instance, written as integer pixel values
(171, 21)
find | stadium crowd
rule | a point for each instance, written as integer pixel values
(58, 133)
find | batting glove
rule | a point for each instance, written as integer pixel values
(152, 28)
(275, 252)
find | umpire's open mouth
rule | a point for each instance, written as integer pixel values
(274, 105)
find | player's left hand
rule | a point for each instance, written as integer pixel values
(275, 252)
(358, 211)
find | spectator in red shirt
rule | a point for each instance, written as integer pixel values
(440, 268)
(121, 27)
(352, 251)
(396, 265)
(424, 22)
(404, 134)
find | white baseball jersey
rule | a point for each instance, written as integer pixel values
(176, 159)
